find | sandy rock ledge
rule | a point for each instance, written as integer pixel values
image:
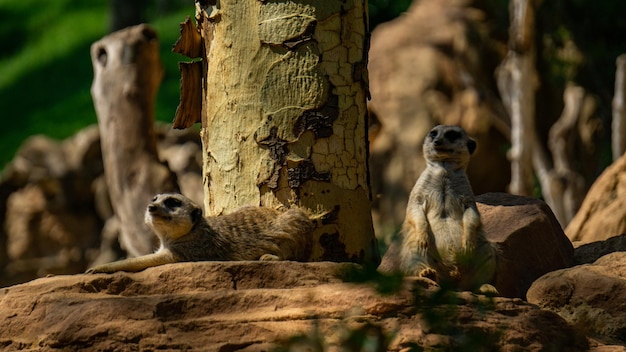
(257, 306)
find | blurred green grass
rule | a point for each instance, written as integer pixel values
(46, 71)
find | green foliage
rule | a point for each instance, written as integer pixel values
(45, 67)
(384, 10)
(46, 72)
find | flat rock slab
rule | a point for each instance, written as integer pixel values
(255, 306)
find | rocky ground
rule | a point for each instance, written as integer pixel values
(258, 306)
(548, 302)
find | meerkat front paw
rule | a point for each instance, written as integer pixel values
(428, 273)
(93, 270)
(269, 257)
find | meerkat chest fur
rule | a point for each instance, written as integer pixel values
(443, 193)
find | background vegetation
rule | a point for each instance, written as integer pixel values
(45, 67)
(46, 72)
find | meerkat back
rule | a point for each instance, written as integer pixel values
(265, 233)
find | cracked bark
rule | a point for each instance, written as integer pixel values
(284, 114)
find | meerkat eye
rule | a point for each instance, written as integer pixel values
(172, 203)
(452, 135)
(433, 134)
(155, 199)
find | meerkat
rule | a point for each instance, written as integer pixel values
(442, 237)
(250, 233)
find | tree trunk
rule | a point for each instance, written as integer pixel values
(562, 187)
(127, 74)
(284, 114)
(517, 82)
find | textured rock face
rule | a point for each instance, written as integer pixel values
(529, 237)
(590, 296)
(253, 306)
(603, 212)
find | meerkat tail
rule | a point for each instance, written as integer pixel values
(134, 264)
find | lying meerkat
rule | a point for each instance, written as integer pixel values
(442, 237)
(250, 233)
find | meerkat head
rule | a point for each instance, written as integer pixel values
(448, 144)
(172, 215)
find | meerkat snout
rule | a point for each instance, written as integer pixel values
(171, 215)
(449, 143)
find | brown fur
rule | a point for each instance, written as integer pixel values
(250, 233)
(442, 236)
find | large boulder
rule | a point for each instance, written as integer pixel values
(256, 306)
(589, 296)
(603, 212)
(529, 237)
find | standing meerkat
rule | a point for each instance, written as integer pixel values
(442, 236)
(250, 233)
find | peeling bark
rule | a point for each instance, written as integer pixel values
(284, 119)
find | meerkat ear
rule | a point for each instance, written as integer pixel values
(196, 214)
(471, 146)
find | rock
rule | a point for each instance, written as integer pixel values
(529, 237)
(587, 253)
(591, 297)
(49, 215)
(44, 238)
(432, 65)
(54, 202)
(603, 212)
(254, 306)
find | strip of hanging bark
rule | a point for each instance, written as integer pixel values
(618, 128)
(127, 74)
(190, 42)
(189, 109)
